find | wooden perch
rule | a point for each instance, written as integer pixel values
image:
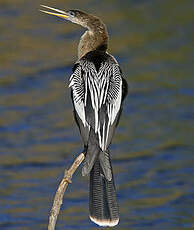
(58, 200)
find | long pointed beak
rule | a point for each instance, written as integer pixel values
(60, 13)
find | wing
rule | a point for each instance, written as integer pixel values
(97, 97)
(77, 85)
(110, 108)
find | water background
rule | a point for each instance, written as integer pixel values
(153, 147)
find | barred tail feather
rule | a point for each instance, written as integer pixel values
(103, 205)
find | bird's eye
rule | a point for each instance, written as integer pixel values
(71, 13)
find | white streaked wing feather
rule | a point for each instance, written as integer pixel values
(76, 83)
(104, 87)
(113, 99)
(115, 93)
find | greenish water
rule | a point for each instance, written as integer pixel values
(153, 147)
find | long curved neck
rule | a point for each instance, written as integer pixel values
(95, 38)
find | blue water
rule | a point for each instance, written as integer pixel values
(152, 150)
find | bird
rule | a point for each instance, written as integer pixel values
(98, 90)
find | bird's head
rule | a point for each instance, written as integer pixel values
(96, 36)
(75, 16)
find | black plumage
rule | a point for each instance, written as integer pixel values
(98, 90)
(103, 204)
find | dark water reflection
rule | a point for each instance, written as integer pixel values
(153, 148)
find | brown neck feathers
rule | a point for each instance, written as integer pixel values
(95, 38)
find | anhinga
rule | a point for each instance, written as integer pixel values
(98, 90)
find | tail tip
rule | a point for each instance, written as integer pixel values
(104, 222)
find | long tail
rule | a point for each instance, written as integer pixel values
(103, 205)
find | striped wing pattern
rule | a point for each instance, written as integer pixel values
(105, 90)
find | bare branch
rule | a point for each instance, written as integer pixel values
(58, 200)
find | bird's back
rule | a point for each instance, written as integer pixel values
(99, 58)
(97, 91)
